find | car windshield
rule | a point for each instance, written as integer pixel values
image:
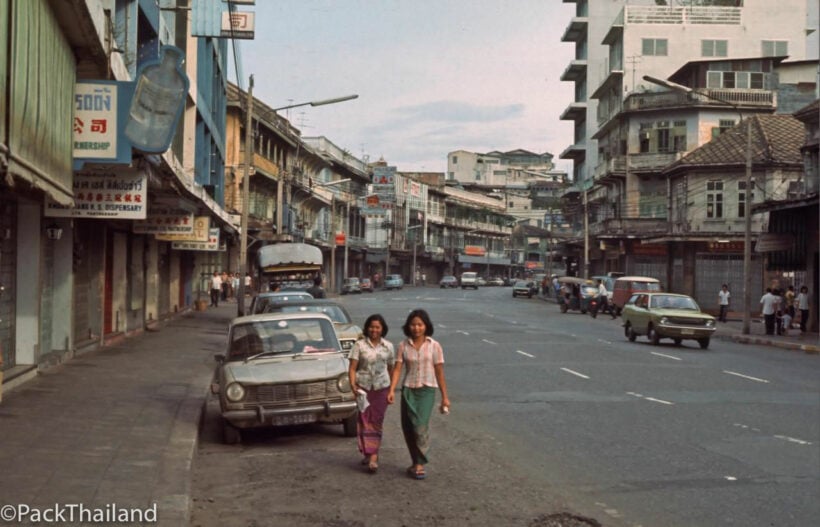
(261, 302)
(336, 313)
(673, 302)
(521, 283)
(646, 286)
(351, 281)
(281, 337)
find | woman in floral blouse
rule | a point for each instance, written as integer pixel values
(371, 368)
(423, 360)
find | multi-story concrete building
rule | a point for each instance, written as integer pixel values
(632, 129)
(73, 280)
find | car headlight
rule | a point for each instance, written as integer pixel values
(343, 383)
(235, 392)
(710, 323)
(347, 345)
(664, 321)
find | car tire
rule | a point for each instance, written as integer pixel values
(653, 336)
(350, 425)
(704, 343)
(231, 435)
(630, 333)
(677, 341)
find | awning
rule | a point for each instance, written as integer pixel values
(493, 260)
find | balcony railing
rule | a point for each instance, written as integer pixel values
(738, 96)
(694, 15)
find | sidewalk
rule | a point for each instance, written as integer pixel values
(733, 330)
(114, 426)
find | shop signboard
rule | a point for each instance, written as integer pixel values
(212, 244)
(199, 233)
(121, 193)
(166, 220)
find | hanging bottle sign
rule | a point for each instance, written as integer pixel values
(158, 102)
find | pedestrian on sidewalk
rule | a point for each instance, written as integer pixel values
(216, 289)
(778, 311)
(423, 360)
(767, 304)
(788, 300)
(723, 302)
(803, 306)
(225, 284)
(371, 369)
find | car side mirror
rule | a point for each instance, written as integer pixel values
(219, 358)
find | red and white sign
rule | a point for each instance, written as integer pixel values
(120, 194)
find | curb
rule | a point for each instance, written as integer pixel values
(792, 346)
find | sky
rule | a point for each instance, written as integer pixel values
(433, 76)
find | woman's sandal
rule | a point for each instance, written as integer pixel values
(373, 467)
(416, 474)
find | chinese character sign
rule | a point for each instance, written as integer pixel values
(166, 220)
(95, 120)
(211, 245)
(120, 194)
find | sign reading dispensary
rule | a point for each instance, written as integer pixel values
(121, 194)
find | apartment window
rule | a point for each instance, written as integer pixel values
(723, 125)
(654, 46)
(775, 48)
(714, 48)
(741, 198)
(644, 134)
(714, 199)
(451, 176)
(679, 136)
(455, 160)
(663, 136)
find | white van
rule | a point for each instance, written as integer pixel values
(469, 279)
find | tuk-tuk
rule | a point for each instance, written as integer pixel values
(576, 294)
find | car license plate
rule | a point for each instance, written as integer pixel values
(298, 419)
(687, 332)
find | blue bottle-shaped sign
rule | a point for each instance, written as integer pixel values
(158, 102)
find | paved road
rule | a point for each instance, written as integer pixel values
(628, 433)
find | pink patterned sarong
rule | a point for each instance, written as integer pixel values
(371, 421)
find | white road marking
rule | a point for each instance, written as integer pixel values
(793, 440)
(462, 332)
(745, 376)
(731, 478)
(604, 341)
(659, 401)
(667, 356)
(489, 342)
(524, 353)
(441, 325)
(639, 396)
(581, 375)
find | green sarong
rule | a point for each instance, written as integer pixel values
(416, 408)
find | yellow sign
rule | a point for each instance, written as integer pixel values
(202, 225)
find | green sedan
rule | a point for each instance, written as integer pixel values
(667, 315)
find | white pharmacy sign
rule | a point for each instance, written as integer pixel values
(166, 220)
(211, 245)
(200, 232)
(95, 120)
(118, 194)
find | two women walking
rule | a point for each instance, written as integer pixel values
(377, 372)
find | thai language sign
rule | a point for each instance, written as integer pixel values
(95, 120)
(211, 245)
(120, 194)
(199, 233)
(166, 220)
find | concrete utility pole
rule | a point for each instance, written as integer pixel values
(246, 192)
(747, 231)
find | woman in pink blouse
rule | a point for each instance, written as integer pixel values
(371, 368)
(423, 360)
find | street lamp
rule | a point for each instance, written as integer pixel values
(318, 103)
(414, 251)
(243, 244)
(747, 232)
(333, 231)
